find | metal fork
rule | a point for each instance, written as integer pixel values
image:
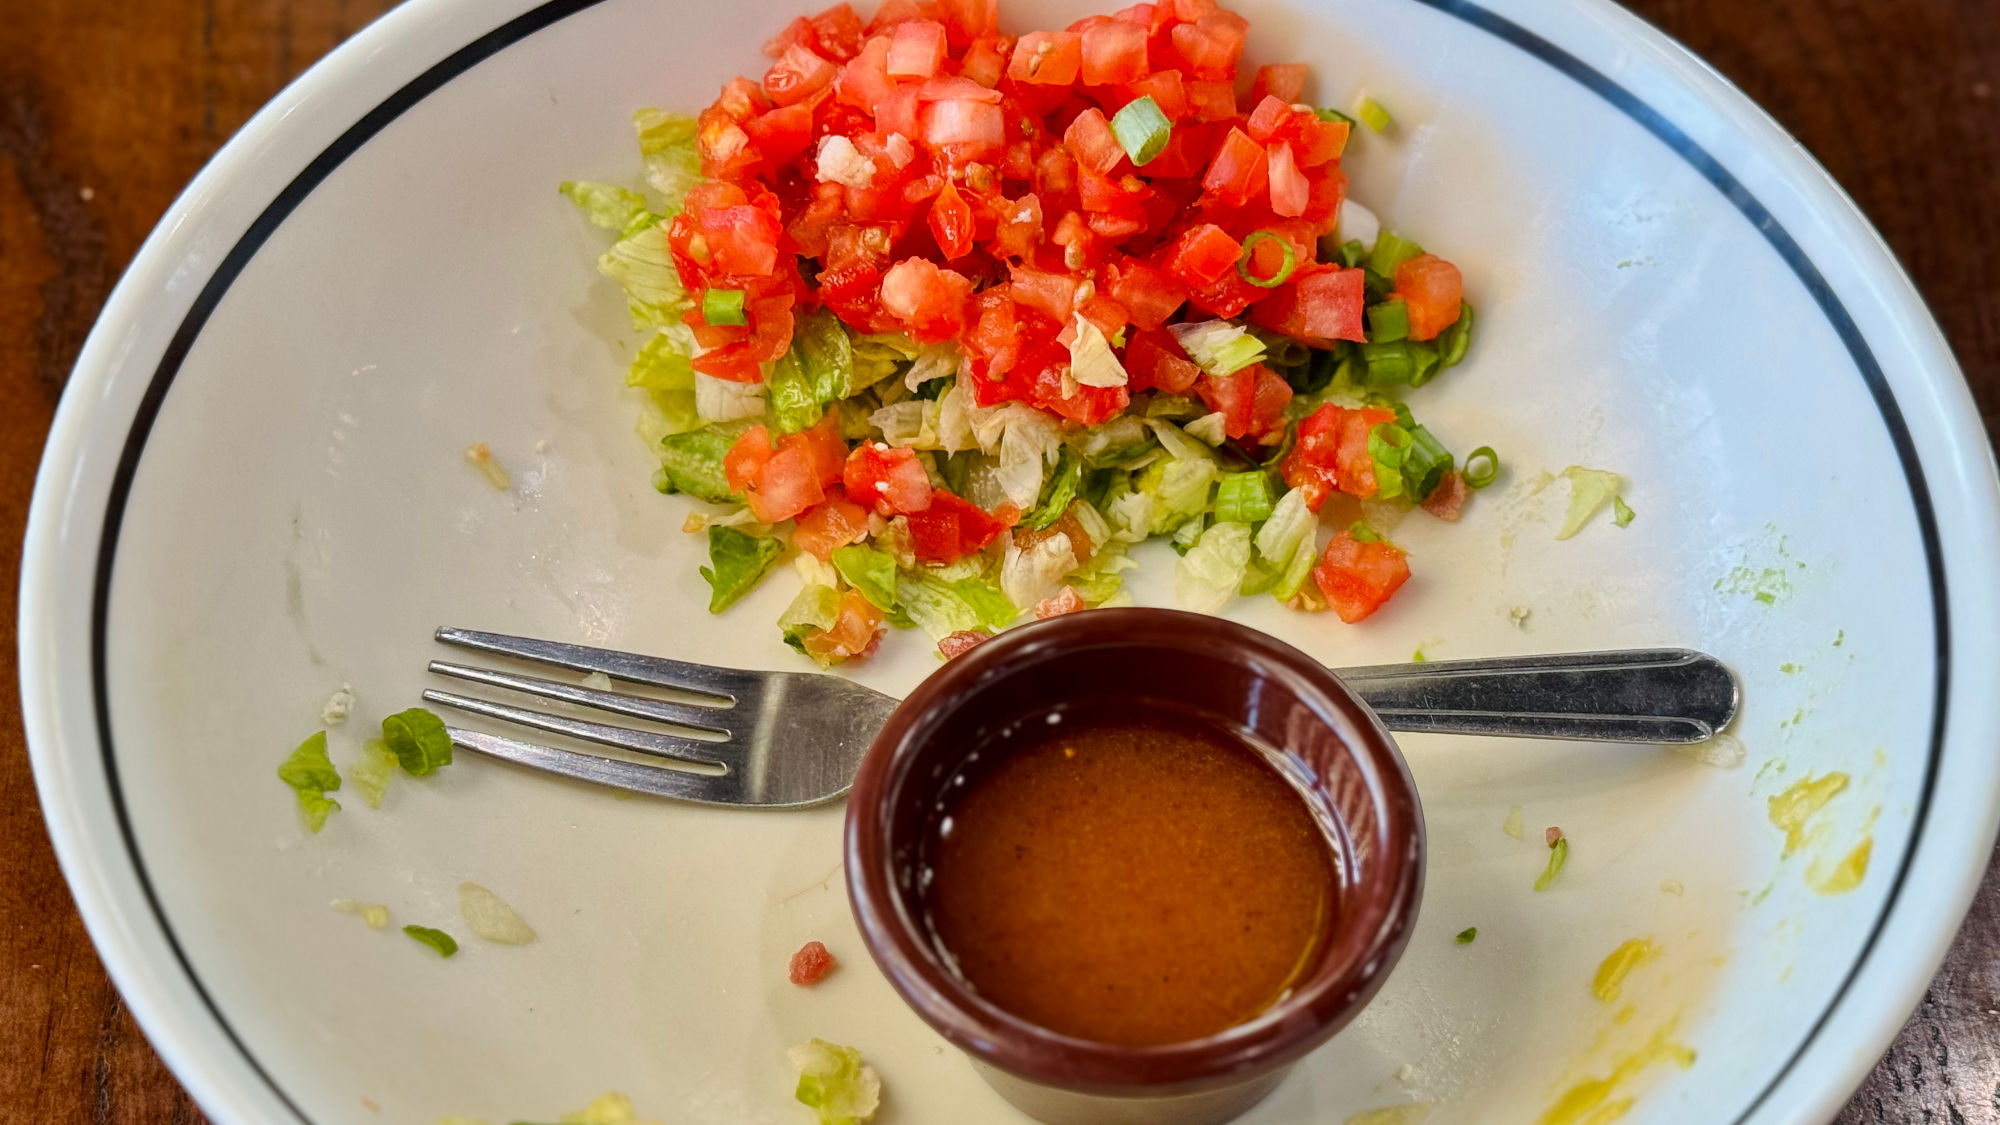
(785, 739)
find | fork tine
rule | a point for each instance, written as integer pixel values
(637, 777)
(694, 716)
(637, 741)
(728, 683)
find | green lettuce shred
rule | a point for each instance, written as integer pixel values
(870, 571)
(667, 144)
(941, 608)
(835, 1083)
(692, 460)
(1558, 856)
(817, 370)
(1243, 497)
(817, 606)
(609, 206)
(1287, 543)
(311, 775)
(737, 563)
(1099, 580)
(1208, 575)
(643, 265)
(444, 943)
(418, 740)
(1590, 490)
(1058, 493)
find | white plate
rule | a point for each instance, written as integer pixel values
(254, 492)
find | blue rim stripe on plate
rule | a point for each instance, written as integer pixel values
(493, 42)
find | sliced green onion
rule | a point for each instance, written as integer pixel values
(1388, 446)
(1363, 533)
(1391, 250)
(1142, 130)
(1456, 338)
(1425, 463)
(1326, 114)
(1480, 477)
(723, 308)
(1284, 273)
(1424, 364)
(1389, 320)
(1243, 498)
(1352, 253)
(1466, 935)
(1558, 855)
(1621, 512)
(1388, 362)
(1373, 115)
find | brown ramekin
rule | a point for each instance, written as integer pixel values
(1331, 746)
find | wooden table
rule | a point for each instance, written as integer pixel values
(107, 109)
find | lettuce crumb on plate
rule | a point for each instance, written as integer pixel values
(840, 1088)
(312, 776)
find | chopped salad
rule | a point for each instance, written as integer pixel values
(954, 318)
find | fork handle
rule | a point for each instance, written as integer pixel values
(1634, 695)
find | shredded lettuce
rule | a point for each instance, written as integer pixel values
(667, 144)
(1098, 581)
(913, 422)
(1178, 488)
(1116, 443)
(816, 607)
(692, 460)
(665, 362)
(444, 943)
(840, 1088)
(941, 608)
(311, 775)
(1207, 576)
(1091, 360)
(1287, 543)
(870, 571)
(1217, 346)
(1027, 441)
(877, 356)
(1210, 428)
(1061, 491)
(1558, 856)
(1589, 491)
(418, 739)
(726, 400)
(605, 1109)
(1031, 574)
(490, 918)
(609, 206)
(1243, 497)
(1621, 512)
(938, 361)
(643, 266)
(737, 563)
(372, 772)
(817, 370)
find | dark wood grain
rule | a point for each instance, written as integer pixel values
(107, 109)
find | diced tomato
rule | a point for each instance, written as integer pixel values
(890, 480)
(839, 31)
(864, 81)
(930, 302)
(854, 633)
(786, 485)
(986, 60)
(1268, 120)
(993, 344)
(951, 221)
(1203, 255)
(1046, 58)
(1319, 304)
(962, 642)
(810, 964)
(742, 240)
(1114, 53)
(1290, 193)
(1017, 228)
(1065, 600)
(1212, 44)
(1251, 401)
(1331, 454)
(1150, 296)
(1090, 140)
(1239, 171)
(1358, 577)
(1283, 81)
(1154, 360)
(1210, 101)
(1166, 90)
(1052, 294)
(797, 75)
(962, 127)
(951, 528)
(830, 525)
(967, 20)
(1447, 500)
(1432, 290)
(825, 449)
(782, 133)
(799, 31)
(893, 12)
(1317, 141)
(915, 49)
(746, 458)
